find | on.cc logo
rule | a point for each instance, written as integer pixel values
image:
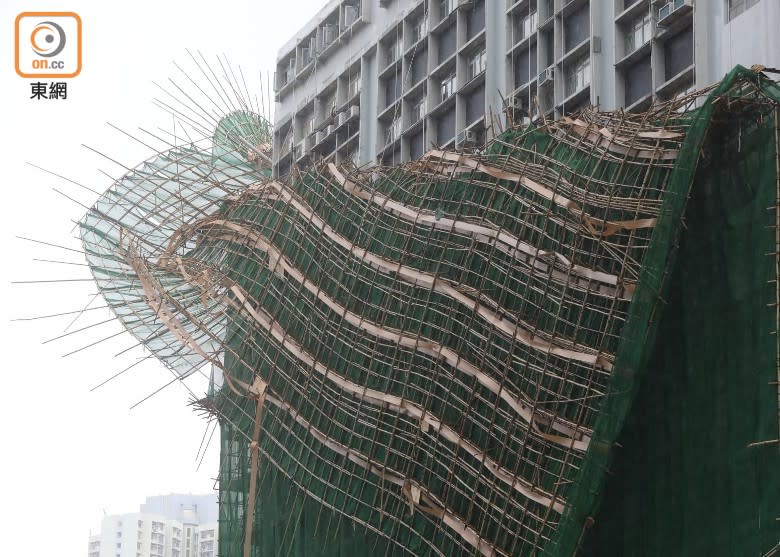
(48, 45)
(48, 39)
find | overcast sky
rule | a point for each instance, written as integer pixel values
(68, 454)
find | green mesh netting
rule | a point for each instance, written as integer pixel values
(691, 476)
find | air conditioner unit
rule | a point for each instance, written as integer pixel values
(331, 128)
(343, 117)
(320, 137)
(670, 7)
(354, 112)
(466, 138)
(546, 76)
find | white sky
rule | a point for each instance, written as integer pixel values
(68, 454)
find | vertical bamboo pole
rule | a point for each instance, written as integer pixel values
(254, 457)
(777, 263)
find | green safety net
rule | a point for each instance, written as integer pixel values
(698, 468)
(439, 358)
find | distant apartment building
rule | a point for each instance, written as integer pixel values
(384, 80)
(161, 529)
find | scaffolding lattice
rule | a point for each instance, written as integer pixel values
(434, 358)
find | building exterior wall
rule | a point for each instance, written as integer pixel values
(344, 91)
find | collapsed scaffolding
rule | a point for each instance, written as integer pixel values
(433, 358)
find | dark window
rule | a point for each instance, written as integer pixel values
(417, 145)
(628, 3)
(419, 66)
(638, 80)
(393, 157)
(678, 53)
(736, 7)
(475, 19)
(447, 43)
(549, 52)
(572, 108)
(576, 27)
(475, 104)
(524, 66)
(445, 126)
(392, 89)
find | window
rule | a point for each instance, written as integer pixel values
(393, 130)
(736, 7)
(578, 76)
(119, 545)
(638, 80)
(418, 110)
(475, 19)
(526, 24)
(329, 33)
(524, 64)
(447, 87)
(678, 53)
(308, 124)
(683, 90)
(351, 14)
(419, 29)
(417, 145)
(638, 33)
(445, 127)
(447, 43)
(140, 523)
(477, 64)
(392, 89)
(353, 84)
(393, 51)
(119, 534)
(576, 27)
(446, 7)
(305, 56)
(328, 110)
(475, 104)
(418, 65)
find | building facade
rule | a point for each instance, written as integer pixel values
(384, 80)
(167, 526)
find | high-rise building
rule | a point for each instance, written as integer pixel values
(167, 526)
(384, 80)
